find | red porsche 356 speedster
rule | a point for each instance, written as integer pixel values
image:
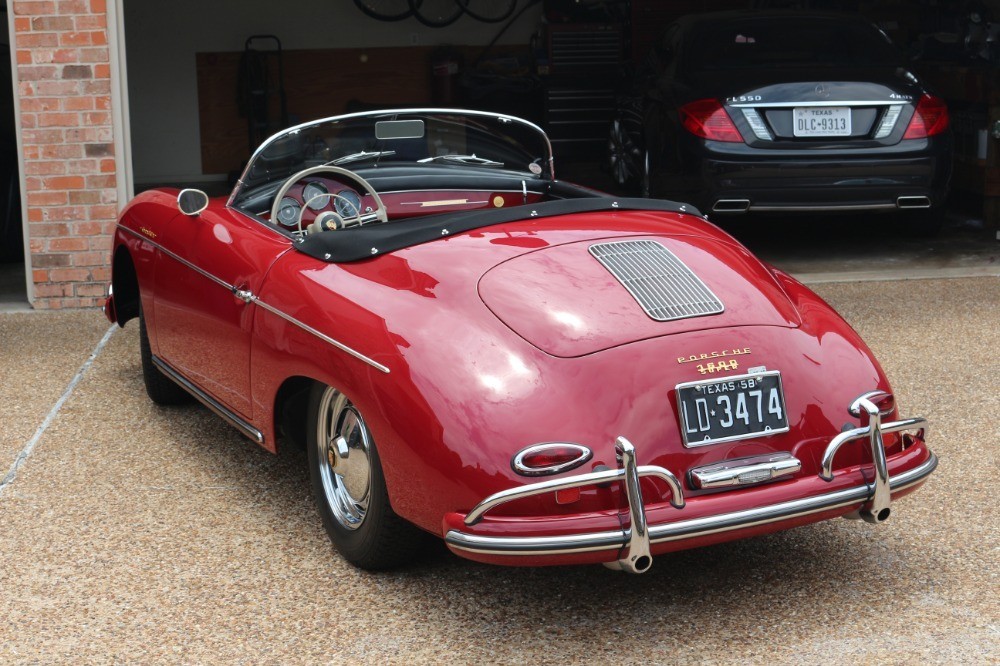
(468, 347)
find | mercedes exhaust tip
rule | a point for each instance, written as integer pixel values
(913, 202)
(731, 206)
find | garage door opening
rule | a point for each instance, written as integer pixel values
(13, 287)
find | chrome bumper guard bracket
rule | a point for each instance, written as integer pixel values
(877, 510)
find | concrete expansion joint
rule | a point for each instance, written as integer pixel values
(26, 452)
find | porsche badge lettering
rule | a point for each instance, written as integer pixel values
(695, 358)
(147, 232)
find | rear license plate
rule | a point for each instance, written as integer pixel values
(821, 121)
(723, 410)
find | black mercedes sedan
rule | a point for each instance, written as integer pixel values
(741, 112)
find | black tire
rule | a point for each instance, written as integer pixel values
(353, 502)
(386, 10)
(160, 388)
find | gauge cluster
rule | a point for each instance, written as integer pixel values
(316, 196)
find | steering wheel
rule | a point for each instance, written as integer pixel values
(358, 218)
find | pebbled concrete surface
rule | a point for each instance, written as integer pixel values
(139, 534)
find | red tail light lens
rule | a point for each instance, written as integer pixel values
(552, 458)
(708, 119)
(930, 118)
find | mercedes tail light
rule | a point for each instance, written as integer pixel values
(930, 118)
(708, 119)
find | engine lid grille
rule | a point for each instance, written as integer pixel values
(660, 282)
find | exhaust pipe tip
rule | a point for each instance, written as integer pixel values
(876, 517)
(731, 206)
(638, 565)
(913, 202)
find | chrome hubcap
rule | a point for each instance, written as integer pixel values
(344, 458)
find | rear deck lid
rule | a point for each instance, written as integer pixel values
(584, 297)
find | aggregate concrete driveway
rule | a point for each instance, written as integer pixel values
(132, 533)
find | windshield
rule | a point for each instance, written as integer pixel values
(407, 136)
(789, 42)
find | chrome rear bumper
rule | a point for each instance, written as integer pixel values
(634, 541)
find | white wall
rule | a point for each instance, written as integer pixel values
(161, 39)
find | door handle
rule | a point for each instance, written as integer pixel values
(244, 295)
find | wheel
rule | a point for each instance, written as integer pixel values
(624, 157)
(488, 11)
(436, 13)
(160, 388)
(386, 10)
(349, 486)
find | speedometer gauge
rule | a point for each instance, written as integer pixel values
(347, 203)
(288, 213)
(313, 193)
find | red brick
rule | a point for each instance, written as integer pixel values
(26, 7)
(101, 273)
(65, 183)
(33, 104)
(84, 197)
(40, 275)
(87, 228)
(98, 6)
(99, 182)
(74, 39)
(98, 37)
(77, 72)
(47, 229)
(65, 151)
(37, 73)
(50, 260)
(102, 71)
(44, 168)
(64, 7)
(91, 22)
(97, 118)
(94, 55)
(90, 258)
(69, 275)
(36, 39)
(23, 57)
(82, 167)
(107, 166)
(42, 136)
(78, 103)
(100, 87)
(33, 183)
(102, 102)
(64, 213)
(28, 121)
(35, 245)
(57, 87)
(97, 290)
(103, 212)
(68, 244)
(22, 24)
(31, 152)
(47, 198)
(51, 23)
(58, 120)
(34, 215)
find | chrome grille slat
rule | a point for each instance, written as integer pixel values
(662, 284)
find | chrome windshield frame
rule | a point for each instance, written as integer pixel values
(501, 117)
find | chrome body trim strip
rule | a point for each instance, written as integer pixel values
(322, 336)
(218, 408)
(684, 529)
(249, 298)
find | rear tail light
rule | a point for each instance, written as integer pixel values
(708, 119)
(551, 458)
(929, 118)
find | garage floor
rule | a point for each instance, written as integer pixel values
(132, 533)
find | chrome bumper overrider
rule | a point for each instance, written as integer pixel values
(635, 541)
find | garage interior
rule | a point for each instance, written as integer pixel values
(202, 93)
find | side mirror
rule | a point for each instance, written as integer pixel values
(192, 202)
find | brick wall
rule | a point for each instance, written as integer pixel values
(64, 87)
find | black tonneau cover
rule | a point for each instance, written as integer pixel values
(371, 240)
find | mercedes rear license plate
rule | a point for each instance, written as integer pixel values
(724, 410)
(821, 121)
